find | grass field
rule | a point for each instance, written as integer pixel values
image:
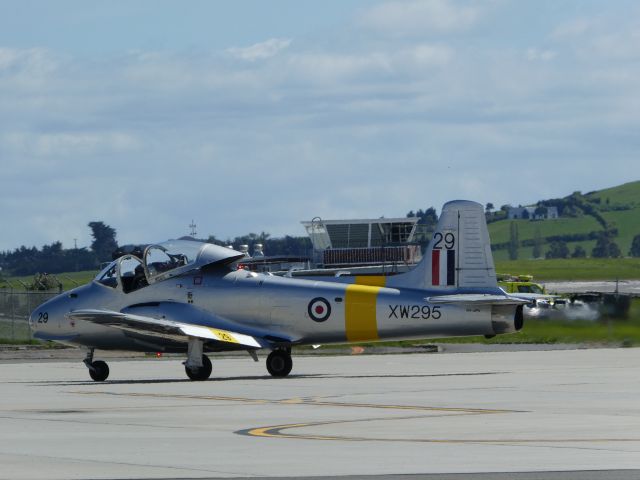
(69, 280)
(623, 194)
(627, 222)
(617, 332)
(500, 232)
(574, 268)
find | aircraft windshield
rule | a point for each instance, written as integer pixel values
(108, 275)
(132, 274)
(170, 256)
(185, 248)
(162, 261)
(530, 289)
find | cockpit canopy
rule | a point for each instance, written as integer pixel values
(162, 261)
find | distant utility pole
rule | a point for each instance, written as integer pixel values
(193, 231)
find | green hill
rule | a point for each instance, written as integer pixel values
(583, 218)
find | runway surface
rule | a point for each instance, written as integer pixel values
(570, 411)
(631, 287)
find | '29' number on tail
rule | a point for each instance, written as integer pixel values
(448, 240)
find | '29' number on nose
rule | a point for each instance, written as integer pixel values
(43, 317)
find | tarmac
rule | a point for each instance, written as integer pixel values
(534, 414)
(629, 287)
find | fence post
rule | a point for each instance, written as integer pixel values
(28, 312)
(13, 319)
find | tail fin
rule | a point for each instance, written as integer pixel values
(459, 254)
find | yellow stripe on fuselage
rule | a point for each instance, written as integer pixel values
(360, 313)
(373, 280)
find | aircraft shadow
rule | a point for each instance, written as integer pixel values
(252, 377)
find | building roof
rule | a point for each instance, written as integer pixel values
(358, 233)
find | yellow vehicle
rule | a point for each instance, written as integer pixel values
(519, 284)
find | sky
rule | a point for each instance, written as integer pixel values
(251, 116)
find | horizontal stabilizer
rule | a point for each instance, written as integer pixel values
(477, 299)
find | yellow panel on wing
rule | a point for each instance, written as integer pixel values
(224, 336)
(360, 313)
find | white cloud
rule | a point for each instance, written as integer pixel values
(67, 143)
(573, 28)
(419, 17)
(535, 54)
(601, 37)
(260, 51)
(367, 68)
(27, 68)
(172, 135)
(335, 67)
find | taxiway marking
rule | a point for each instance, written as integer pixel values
(302, 401)
(278, 431)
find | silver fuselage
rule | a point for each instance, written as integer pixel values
(281, 309)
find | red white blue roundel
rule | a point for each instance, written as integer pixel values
(319, 309)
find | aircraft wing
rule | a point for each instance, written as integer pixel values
(165, 328)
(477, 299)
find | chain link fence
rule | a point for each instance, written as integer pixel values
(15, 308)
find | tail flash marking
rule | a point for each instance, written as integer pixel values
(451, 267)
(435, 267)
(443, 272)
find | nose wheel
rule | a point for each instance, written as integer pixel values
(98, 370)
(199, 373)
(279, 363)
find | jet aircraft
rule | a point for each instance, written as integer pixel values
(188, 297)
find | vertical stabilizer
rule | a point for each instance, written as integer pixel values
(459, 254)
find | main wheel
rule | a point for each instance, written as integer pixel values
(200, 373)
(279, 363)
(99, 370)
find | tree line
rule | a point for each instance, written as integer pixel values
(55, 259)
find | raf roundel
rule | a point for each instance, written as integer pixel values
(319, 309)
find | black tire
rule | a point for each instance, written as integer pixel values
(99, 371)
(279, 363)
(202, 373)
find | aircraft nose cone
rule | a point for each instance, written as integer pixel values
(32, 323)
(42, 318)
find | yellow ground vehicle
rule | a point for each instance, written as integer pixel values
(519, 284)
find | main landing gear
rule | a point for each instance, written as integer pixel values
(198, 366)
(98, 370)
(279, 362)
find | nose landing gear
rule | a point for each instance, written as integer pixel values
(199, 373)
(198, 366)
(98, 370)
